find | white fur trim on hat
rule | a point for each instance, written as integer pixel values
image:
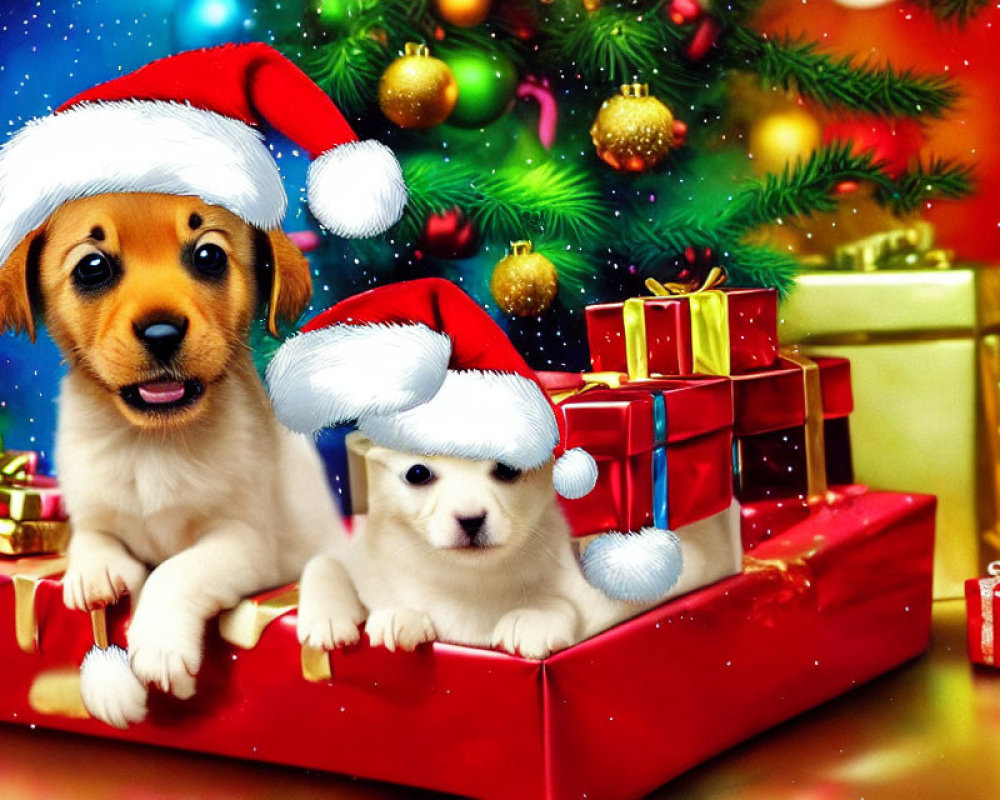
(477, 415)
(134, 146)
(575, 474)
(110, 691)
(342, 372)
(357, 189)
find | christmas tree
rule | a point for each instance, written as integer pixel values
(602, 133)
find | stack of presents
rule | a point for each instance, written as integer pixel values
(799, 583)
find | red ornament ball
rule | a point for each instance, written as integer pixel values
(449, 234)
(894, 141)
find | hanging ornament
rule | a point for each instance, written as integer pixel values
(704, 39)
(523, 283)
(684, 12)
(332, 13)
(486, 85)
(449, 234)
(633, 130)
(206, 23)
(781, 137)
(894, 142)
(462, 13)
(520, 17)
(548, 109)
(416, 90)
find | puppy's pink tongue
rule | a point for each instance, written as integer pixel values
(158, 392)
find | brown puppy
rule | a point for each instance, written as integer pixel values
(167, 449)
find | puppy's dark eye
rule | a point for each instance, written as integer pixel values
(93, 272)
(418, 475)
(504, 473)
(209, 259)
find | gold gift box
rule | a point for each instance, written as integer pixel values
(925, 365)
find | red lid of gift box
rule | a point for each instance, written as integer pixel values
(617, 422)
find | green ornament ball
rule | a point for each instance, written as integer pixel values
(334, 13)
(486, 85)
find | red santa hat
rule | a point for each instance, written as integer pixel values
(423, 369)
(186, 125)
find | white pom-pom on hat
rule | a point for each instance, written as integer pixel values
(635, 567)
(110, 691)
(357, 189)
(575, 474)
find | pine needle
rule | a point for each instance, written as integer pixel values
(796, 64)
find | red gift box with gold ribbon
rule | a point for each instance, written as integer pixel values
(790, 428)
(662, 449)
(683, 330)
(840, 597)
(982, 615)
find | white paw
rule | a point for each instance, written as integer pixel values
(98, 579)
(110, 691)
(328, 633)
(533, 633)
(399, 627)
(165, 650)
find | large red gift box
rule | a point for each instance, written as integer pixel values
(837, 599)
(716, 332)
(662, 449)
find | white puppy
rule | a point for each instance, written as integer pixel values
(468, 552)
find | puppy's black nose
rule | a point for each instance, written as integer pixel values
(161, 337)
(472, 526)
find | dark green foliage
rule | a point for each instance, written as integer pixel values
(939, 178)
(959, 11)
(796, 65)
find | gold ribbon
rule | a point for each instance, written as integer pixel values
(244, 624)
(591, 380)
(26, 580)
(709, 310)
(909, 247)
(815, 442)
(316, 665)
(987, 590)
(793, 570)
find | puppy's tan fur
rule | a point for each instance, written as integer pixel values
(217, 498)
(407, 573)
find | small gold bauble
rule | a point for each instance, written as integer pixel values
(633, 130)
(523, 282)
(462, 13)
(781, 137)
(416, 90)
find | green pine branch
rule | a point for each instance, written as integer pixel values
(939, 178)
(796, 64)
(348, 69)
(613, 45)
(803, 188)
(959, 11)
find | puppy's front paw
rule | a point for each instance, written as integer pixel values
(165, 651)
(328, 632)
(533, 633)
(399, 627)
(99, 579)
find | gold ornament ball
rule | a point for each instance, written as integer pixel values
(633, 130)
(781, 137)
(416, 90)
(462, 13)
(524, 283)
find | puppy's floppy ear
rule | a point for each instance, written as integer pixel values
(18, 285)
(291, 286)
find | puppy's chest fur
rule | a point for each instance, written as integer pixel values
(158, 494)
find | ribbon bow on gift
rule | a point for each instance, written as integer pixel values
(709, 325)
